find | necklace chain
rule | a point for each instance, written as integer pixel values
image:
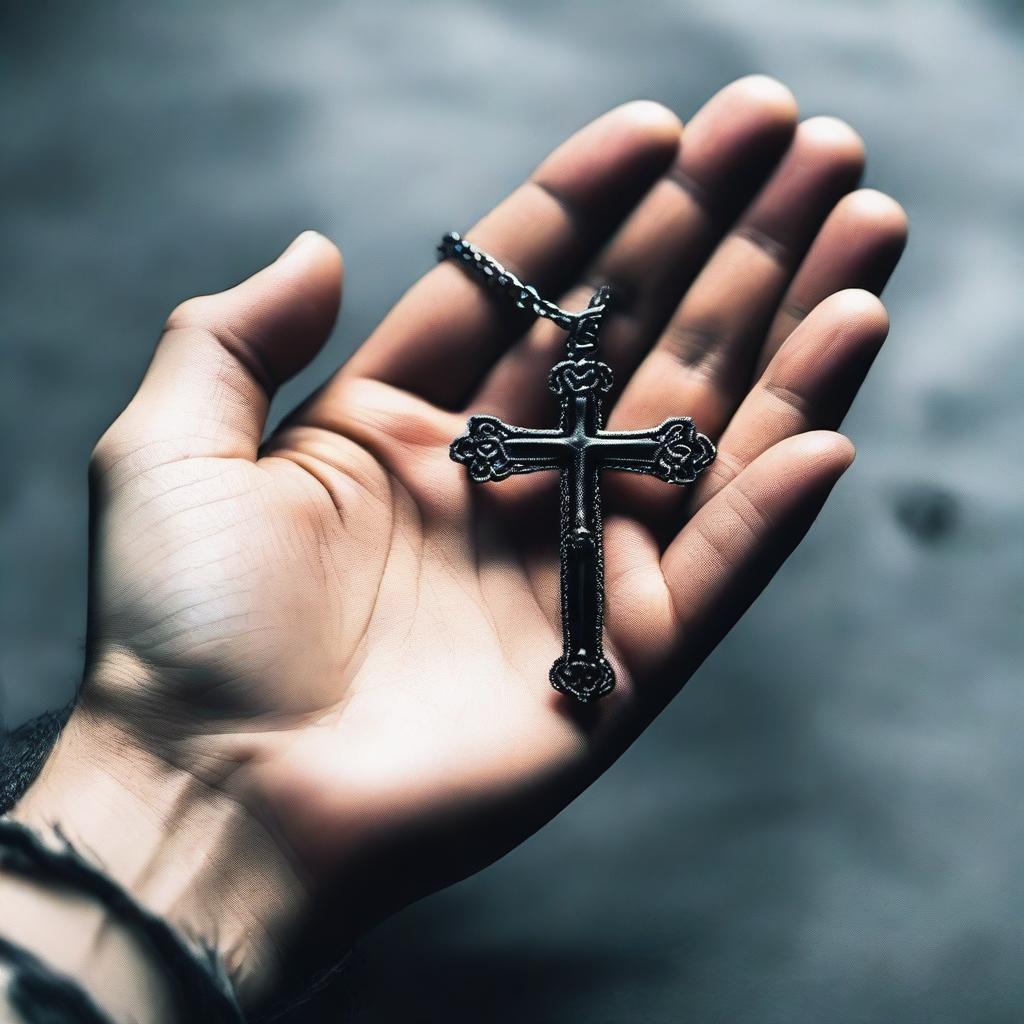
(523, 296)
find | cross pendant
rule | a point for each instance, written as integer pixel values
(579, 449)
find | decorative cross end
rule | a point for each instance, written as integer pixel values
(580, 377)
(482, 449)
(582, 676)
(682, 452)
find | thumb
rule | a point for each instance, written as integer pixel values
(221, 358)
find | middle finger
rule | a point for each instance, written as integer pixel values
(702, 364)
(727, 150)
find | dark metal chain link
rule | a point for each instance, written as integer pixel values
(523, 296)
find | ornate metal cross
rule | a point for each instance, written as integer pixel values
(579, 449)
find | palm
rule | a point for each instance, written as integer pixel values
(343, 626)
(377, 572)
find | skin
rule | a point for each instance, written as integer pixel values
(316, 683)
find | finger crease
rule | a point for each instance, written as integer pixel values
(789, 397)
(248, 356)
(692, 188)
(772, 247)
(746, 511)
(794, 310)
(569, 207)
(725, 468)
(691, 343)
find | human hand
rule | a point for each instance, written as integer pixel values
(334, 646)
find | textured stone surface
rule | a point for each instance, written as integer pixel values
(826, 825)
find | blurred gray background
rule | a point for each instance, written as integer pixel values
(827, 824)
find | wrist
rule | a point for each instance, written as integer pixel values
(71, 935)
(180, 847)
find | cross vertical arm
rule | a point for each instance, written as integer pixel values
(579, 449)
(582, 671)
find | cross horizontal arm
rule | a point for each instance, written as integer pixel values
(674, 452)
(493, 450)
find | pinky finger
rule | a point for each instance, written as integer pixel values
(726, 554)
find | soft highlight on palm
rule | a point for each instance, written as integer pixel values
(338, 627)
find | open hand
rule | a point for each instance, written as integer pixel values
(332, 630)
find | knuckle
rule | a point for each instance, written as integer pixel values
(194, 312)
(211, 319)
